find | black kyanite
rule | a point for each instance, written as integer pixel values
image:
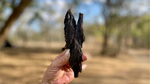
(74, 37)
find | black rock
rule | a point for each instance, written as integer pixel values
(74, 37)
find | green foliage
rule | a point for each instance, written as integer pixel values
(95, 30)
(119, 27)
(140, 32)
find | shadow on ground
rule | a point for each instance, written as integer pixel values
(27, 66)
(28, 51)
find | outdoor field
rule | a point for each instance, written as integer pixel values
(27, 66)
(113, 34)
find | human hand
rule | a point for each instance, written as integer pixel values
(60, 72)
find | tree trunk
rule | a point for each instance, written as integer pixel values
(105, 44)
(13, 17)
(105, 37)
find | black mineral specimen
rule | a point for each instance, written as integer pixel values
(74, 37)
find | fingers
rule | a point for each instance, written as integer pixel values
(65, 79)
(84, 66)
(84, 57)
(62, 60)
(62, 54)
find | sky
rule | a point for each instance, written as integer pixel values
(91, 10)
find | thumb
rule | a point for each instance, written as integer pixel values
(64, 59)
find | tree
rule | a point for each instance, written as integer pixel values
(13, 17)
(108, 11)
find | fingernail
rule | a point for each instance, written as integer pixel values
(67, 52)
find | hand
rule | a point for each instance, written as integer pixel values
(60, 72)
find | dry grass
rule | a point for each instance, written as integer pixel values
(27, 66)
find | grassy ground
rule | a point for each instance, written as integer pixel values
(27, 66)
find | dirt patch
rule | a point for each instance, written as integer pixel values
(27, 66)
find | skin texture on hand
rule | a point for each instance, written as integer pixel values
(60, 72)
